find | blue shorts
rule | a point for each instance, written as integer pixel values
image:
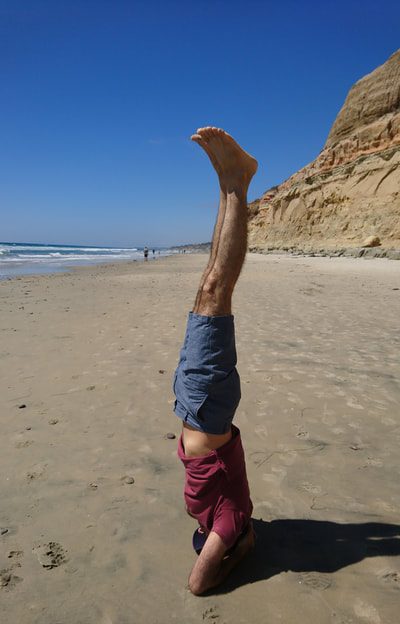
(206, 382)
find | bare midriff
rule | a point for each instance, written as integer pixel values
(197, 443)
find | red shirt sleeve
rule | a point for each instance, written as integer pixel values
(229, 524)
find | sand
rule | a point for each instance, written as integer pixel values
(92, 523)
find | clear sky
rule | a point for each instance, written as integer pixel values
(98, 99)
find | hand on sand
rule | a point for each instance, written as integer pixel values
(233, 165)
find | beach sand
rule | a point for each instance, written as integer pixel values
(93, 528)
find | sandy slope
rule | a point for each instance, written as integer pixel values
(91, 355)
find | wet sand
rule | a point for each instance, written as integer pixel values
(92, 527)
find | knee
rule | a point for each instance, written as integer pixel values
(216, 285)
(211, 284)
(215, 295)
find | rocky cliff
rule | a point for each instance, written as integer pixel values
(351, 191)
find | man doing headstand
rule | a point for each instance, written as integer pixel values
(207, 384)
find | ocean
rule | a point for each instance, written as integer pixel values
(29, 258)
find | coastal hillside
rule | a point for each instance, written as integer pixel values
(350, 192)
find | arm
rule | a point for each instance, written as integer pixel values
(213, 566)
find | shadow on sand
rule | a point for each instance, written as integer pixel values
(311, 546)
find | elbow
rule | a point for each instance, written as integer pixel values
(196, 588)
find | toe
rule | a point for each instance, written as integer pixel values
(204, 133)
(207, 132)
(201, 140)
(214, 131)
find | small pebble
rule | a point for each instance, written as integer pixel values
(90, 388)
(128, 480)
(170, 436)
(22, 406)
(161, 371)
(28, 428)
(93, 486)
(355, 447)
(53, 421)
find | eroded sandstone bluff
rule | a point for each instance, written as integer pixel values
(351, 191)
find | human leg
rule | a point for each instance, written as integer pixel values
(214, 246)
(214, 564)
(206, 384)
(212, 318)
(234, 168)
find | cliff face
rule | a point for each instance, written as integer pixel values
(352, 189)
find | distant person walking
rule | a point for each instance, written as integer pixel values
(145, 253)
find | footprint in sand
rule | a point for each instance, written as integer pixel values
(23, 444)
(261, 431)
(310, 488)
(373, 461)
(340, 618)
(275, 477)
(15, 555)
(315, 580)
(50, 555)
(8, 580)
(302, 433)
(391, 577)
(37, 472)
(211, 614)
(366, 612)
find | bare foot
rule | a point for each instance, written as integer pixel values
(232, 164)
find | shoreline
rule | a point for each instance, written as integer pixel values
(10, 270)
(88, 266)
(375, 253)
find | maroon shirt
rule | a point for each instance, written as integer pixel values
(216, 489)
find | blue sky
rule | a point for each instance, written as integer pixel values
(98, 99)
